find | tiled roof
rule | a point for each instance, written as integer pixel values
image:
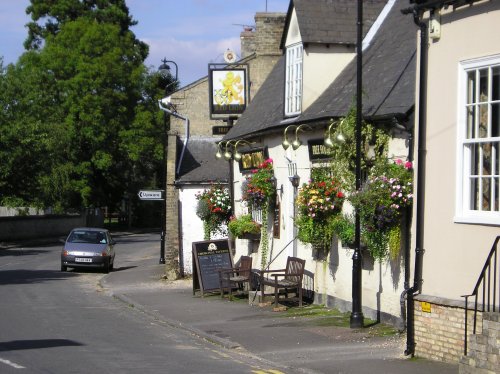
(388, 74)
(199, 164)
(388, 83)
(333, 21)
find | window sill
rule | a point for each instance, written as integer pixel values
(489, 220)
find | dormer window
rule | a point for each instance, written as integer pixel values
(293, 84)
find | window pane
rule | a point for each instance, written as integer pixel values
(495, 120)
(487, 160)
(495, 83)
(483, 121)
(474, 193)
(471, 112)
(497, 193)
(471, 87)
(495, 159)
(483, 85)
(486, 191)
(474, 162)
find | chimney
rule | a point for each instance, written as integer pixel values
(269, 29)
(247, 38)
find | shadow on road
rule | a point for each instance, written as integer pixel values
(31, 276)
(21, 252)
(15, 345)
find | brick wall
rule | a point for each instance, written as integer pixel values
(439, 328)
(172, 211)
(483, 350)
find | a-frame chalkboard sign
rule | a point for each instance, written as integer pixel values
(208, 257)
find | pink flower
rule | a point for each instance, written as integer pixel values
(399, 162)
(408, 165)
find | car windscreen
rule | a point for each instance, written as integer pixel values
(91, 237)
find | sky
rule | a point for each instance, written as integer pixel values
(192, 33)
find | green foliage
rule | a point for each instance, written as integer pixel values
(319, 203)
(344, 153)
(79, 115)
(55, 14)
(343, 226)
(264, 239)
(243, 225)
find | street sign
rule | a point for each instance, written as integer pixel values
(150, 195)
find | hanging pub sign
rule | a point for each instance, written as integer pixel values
(318, 150)
(228, 91)
(251, 160)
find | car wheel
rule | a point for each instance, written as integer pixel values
(106, 268)
(63, 267)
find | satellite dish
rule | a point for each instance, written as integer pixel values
(229, 56)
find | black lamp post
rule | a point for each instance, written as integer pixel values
(164, 69)
(356, 319)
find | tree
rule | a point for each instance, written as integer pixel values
(80, 124)
(76, 124)
(56, 13)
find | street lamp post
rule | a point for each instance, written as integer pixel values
(164, 69)
(356, 319)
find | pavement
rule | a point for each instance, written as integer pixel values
(291, 342)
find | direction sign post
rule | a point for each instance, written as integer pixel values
(151, 195)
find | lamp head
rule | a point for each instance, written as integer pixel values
(296, 144)
(218, 155)
(285, 144)
(328, 142)
(295, 180)
(237, 156)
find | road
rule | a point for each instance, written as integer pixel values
(63, 322)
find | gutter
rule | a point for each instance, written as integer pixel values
(421, 157)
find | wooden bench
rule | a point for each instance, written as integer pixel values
(236, 277)
(285, 279)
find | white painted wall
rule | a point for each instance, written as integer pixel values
(192, 225)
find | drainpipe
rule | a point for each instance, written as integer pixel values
(166, 106)
(422, 124)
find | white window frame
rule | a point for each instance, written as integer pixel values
(293, 79)
(464, 213)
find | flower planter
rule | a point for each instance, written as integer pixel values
(250, 236)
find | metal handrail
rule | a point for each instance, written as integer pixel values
(490, 289)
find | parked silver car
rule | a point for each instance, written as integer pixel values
(88, 247)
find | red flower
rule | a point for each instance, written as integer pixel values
(340, 194)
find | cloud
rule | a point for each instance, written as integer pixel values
(191, 57)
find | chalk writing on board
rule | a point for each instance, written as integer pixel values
(210, 256)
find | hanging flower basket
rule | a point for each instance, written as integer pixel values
(244, 227)
(382, 203)
(214, 209)
(257, 191)
(319, 204)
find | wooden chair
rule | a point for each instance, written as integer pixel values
(236, 276)
(287, 279)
